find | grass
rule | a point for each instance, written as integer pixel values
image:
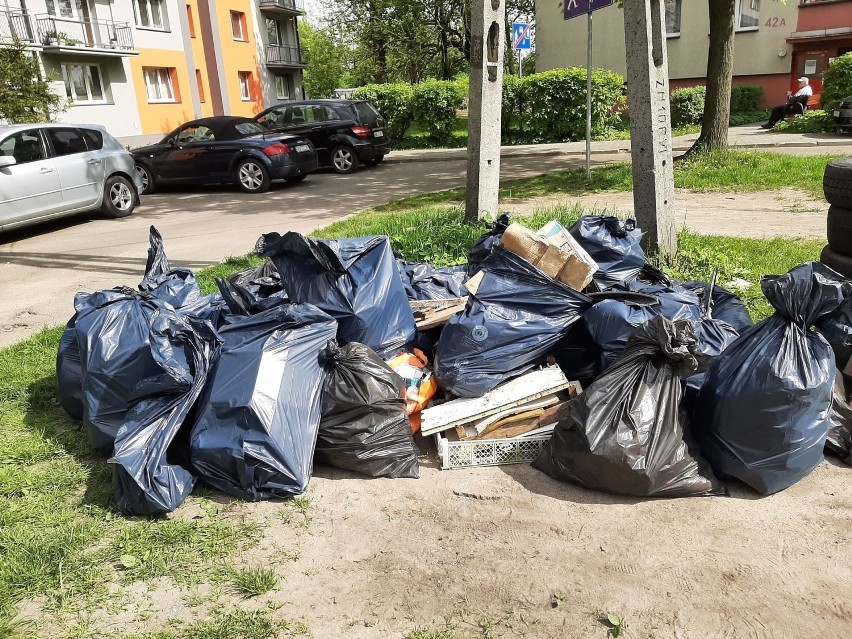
(62, 540)
(234, 624)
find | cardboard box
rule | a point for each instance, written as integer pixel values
(553, 251)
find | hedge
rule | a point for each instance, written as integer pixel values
(837, 81)
(435, 105)
(688, 104)
(395, 103)
(745, 98)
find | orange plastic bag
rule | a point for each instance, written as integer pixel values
(420, 383)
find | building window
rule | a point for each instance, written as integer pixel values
(200, 86)
(284, 87)
(245, 85)
(158, 84)
(673, 18)
(272, 34)
(62, 8)
(83, 83)
(190, 21)
(238, 25)
(748, 15)
(150, 14)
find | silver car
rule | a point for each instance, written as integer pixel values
(52, 170)
(843, 113)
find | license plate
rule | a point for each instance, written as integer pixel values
(302, 148)
(837, 114)
(379, 134)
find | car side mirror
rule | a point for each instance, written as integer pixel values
(7, 160)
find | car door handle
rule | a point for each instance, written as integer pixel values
(94, 161)
(45, 170)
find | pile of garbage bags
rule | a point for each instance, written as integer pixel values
(295, 361)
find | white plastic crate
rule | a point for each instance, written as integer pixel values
(489, 452)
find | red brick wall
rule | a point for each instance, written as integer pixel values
(824, 15)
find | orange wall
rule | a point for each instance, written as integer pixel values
(200, 60)
(239, 56)
(162, 117)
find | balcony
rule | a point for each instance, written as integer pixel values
(85, 37)
(285, 57)
(16, 25)
(287, 7)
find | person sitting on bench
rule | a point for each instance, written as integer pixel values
(796, 103)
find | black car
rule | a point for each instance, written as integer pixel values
(222, 150)
(345, 133)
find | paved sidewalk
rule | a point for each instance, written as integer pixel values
(750, 136)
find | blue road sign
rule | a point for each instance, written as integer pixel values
(574, 8)
(521, 35)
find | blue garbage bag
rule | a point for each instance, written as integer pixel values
(69, 371)
(512, 323)
(724, 305)
(146, 479)
(353, 280)
(486, 243)
(613, 244)
(426, 282)
(177, 286)
(627, 433)
(836, 328)
(762, 415)
(257, 420)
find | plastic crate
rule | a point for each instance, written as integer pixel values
(489, 452)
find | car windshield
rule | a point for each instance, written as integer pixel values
(249, 128)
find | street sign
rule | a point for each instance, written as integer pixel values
(521, 35)
(574, 8)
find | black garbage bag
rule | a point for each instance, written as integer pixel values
(627, 433)
(724, 305)
(515, 320)
(579, 357)
(353, 280)
(256, 422)
(211, 308)
(69, 371)
(614, 244)
(146, 479)
(763, 412)
(836, 328)
(364, 426)
(113, 337)
(248, 300)
(425, 282)
(177, 286)
(486, 243)
(839, 440)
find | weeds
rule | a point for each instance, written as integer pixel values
(254, 581)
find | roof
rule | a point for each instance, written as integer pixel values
(11, 128)
(223, 126)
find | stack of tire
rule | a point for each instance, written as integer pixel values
(837, 184)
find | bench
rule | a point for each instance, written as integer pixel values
(801, 108)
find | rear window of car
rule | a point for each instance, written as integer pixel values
(365, 111)
(94, 139)
(249, 128)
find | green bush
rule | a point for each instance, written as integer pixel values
(513, 98)
(746, 98)
(813, 121)
(837, 81)
(394, 101)
(749, 117)
(557, 102)
(687, 106)
(435, 104)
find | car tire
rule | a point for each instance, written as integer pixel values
(119, 197)
(295, 179)
(837, 182)
(343, 159)
(147, 177)
(840, 263)
(376, 160)
(840, 230)
(251, 176)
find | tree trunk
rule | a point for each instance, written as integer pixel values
(720, 71)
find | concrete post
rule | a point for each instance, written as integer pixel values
(650, 123)
(484, 109)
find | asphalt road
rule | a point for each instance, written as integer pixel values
(42, 267)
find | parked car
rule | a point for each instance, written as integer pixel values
(843, 113)
(224, 150)
(53, 170)
(345, 133)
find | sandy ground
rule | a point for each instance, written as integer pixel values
(786, 212)
(508, 552)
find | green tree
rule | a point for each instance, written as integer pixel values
(25, 96)
(326, 62)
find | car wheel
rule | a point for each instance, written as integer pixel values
(837, 182)
(119, 197)
(252, 176)
(147, 178)
(343, 159)
(840, 230)
(840, 263)
(294, 179)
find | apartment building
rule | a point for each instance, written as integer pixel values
(142, 67)
(775, 42)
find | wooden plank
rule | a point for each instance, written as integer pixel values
(527, 417)
(518, 391)
(512, 430)
(543, 402)
(431, 313)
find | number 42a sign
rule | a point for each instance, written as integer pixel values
(775, 22)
